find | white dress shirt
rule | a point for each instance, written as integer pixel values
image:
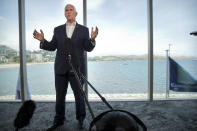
(70, 29)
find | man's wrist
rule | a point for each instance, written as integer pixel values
(42, 41)
(92, 40)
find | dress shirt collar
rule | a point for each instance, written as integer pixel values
(73, 24)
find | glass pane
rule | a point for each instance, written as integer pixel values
(117, 66)
(40, 67)
(9, 49)
(173, 22)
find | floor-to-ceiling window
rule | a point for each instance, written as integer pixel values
(9, 49)
(173, 22)
(40, 67)
(117, 67)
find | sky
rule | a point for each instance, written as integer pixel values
(122, 24)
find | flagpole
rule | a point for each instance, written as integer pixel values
(169, 49)
(167, 75)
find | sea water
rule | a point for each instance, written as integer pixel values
(108, 77)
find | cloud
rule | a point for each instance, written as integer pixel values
(94, 4)
(119, 41)
(2, 18)
(77, 3)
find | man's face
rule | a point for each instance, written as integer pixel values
(70, 13)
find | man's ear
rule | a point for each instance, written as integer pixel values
(76, 14)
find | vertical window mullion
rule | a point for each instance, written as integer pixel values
(22, 48)
(150, 50)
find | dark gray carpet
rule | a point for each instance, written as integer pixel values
(158, 115)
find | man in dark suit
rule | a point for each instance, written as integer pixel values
(81, 42)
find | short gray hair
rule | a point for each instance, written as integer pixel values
(72, 6)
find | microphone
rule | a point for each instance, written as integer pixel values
(24, 114)
(68, 48)
(194, 33)
(71, 53)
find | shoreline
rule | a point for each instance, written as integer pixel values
(139, 96)
(17, 64)
(12, 65)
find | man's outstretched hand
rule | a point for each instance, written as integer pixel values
(38, 36)
(94, 33)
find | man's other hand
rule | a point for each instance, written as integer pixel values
(38, 36)
(94, 33)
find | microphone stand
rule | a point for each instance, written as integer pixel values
(102, 98)
(81, 88)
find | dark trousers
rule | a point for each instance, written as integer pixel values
(61, 85)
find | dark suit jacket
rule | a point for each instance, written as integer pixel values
(80, 42)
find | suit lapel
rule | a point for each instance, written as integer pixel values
(74, 35)
(64, 31)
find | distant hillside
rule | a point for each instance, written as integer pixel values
(6, 47)
(135, 57)
(51, 55)
(3, 46)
